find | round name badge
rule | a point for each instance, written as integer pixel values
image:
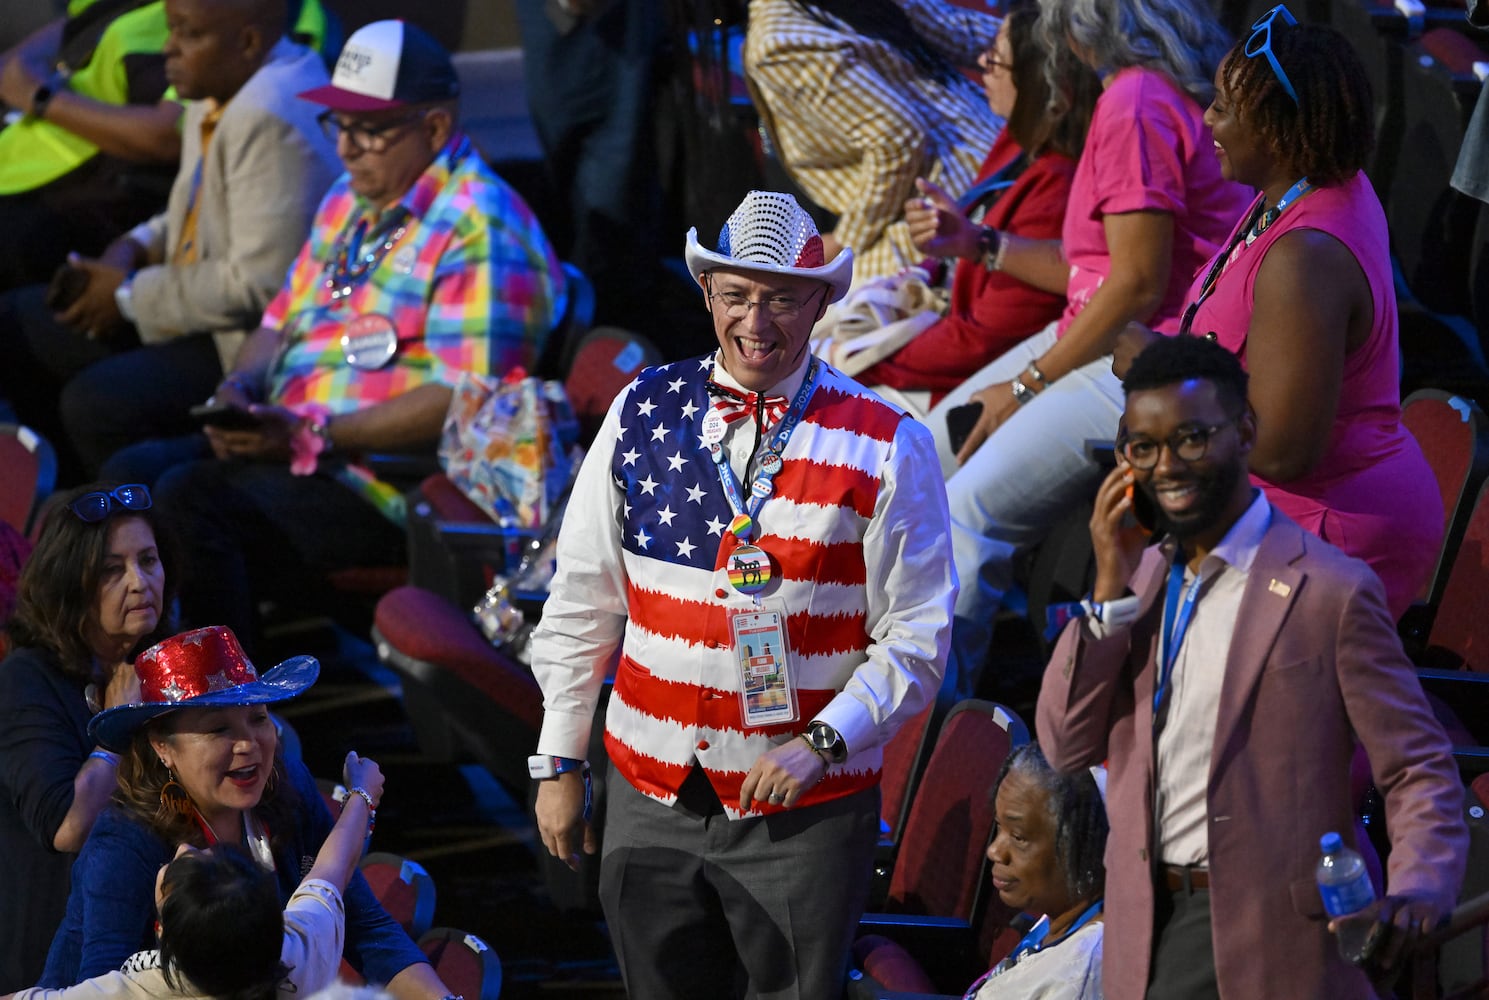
(749, 569)
(770, 463)
(714, 427)
(369, 342)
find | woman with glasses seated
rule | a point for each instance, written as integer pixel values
(94, 592)
(1147, 207)
(1303, 293)
(1022, 188)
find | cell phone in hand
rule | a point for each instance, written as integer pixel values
(224, 417)
(959, 423)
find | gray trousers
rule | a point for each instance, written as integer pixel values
(702, 906)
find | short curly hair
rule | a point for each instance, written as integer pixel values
(1329, 132)
(1078, 812)
(1171, 360)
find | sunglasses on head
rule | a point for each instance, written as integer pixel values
(91, 508)
(1260, 44)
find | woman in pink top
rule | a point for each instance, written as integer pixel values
(1147, 207)
(1304, 294)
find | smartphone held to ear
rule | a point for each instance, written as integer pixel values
(959, 423)
(1141, 506)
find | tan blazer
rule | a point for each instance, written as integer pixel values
(1315, 663)
(266, 169)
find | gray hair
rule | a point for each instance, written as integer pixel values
(1180, 38)
(1077, 806)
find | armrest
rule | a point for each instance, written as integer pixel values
(944, 946)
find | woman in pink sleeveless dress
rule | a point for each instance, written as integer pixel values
(1304, 294)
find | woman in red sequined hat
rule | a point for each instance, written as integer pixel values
(202, 765)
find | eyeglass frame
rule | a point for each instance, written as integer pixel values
(1262, 28)
(112, 501)
(1124, 439)
(377, 139)
(760, 304)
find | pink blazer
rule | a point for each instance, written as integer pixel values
(1315, 664)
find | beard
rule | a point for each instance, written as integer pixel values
(1216, 488)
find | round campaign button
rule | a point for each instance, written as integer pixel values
(714, 427)
(770, 463)
(762, 487)
(369, 341)
(749, 569)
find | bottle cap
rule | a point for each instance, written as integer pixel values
(1330, 843)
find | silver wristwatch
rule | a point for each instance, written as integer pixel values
(1022, 394)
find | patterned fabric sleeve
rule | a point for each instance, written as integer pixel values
(960, 34)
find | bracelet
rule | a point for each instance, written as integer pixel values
(1038, 375)
(107, 755)
(821, 755)
(240, 382)
(371, 810)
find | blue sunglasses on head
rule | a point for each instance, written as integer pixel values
(91, 508)
(1260, 44)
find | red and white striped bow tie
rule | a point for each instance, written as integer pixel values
(734, 405)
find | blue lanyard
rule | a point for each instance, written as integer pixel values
(763, 484)
(1032, 943)
(1176, 618)
(1258, 224)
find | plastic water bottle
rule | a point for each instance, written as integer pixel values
(1345, 886)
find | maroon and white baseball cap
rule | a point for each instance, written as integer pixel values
(388, 64)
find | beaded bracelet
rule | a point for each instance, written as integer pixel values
(371, 809)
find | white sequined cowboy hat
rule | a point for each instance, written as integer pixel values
(770, 232)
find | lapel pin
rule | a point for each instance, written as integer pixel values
(1279, 588)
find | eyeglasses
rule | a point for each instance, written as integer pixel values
(367, 138)
(1188, 444)
(737, 305)
(1260, 44)
(91, 508)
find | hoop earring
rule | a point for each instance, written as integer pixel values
(174, 800)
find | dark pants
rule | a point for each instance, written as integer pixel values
(699, 905)
(1183, 950)
(253, 530)
(590, 91)
(112, 393)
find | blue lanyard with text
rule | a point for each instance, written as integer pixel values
(763, 484)
(1176, 618)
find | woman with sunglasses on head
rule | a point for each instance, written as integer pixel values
(1147, 207)
(201, 764)
(94, 592)
(1303, 293)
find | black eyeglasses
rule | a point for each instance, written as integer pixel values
(1260, 44)
(91, 508)
(1188, 444)
(367, 138)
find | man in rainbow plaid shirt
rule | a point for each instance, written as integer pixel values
(421, 264)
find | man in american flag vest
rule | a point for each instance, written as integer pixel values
(759, 547)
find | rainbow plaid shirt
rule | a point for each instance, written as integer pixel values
(471, 286)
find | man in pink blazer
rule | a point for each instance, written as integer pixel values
(1283, 657)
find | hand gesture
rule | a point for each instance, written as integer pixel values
(360, 772)
(998, 405)
(781, 775)
(937, 226)
(1116, 537)
(95, 312)
(560, 816)
(1398, 924)
(123, 687)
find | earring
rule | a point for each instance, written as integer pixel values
(174, 801)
